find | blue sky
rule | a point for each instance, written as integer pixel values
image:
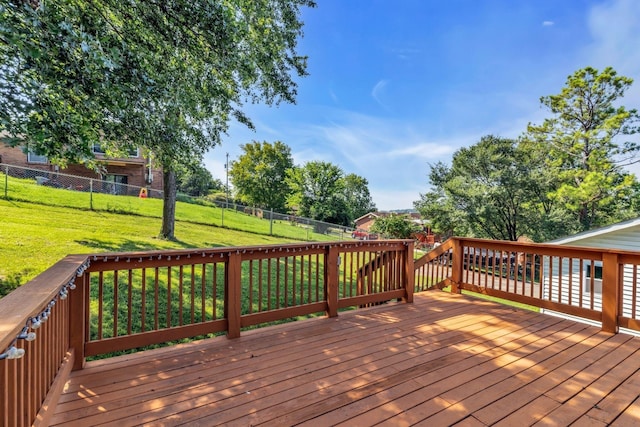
(397, 85)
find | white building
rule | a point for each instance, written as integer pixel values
(578, 282)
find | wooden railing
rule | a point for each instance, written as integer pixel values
(100, 304)
(35, 330)
(91, 305)
(600, 285)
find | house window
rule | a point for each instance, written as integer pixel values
(593, 270)
(98, 149)
(36, 158)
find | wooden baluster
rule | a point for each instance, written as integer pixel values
(250, 286)
(193, 293)
(214, 294)
(115, 303)
(318, 276)
(180, 294)
(129, 301)
(143, 296)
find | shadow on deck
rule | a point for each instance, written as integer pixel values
(443, 360)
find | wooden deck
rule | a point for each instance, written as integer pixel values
(443, 360)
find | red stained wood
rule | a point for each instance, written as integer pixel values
(446, 359)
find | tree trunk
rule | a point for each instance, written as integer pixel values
(169, 204)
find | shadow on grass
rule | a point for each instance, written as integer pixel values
(126, 245)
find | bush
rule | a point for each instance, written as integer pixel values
(8, 284)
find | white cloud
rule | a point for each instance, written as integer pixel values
(406, 53)
(377, 91)
(428, 150)
(548, 23)
(616, 45)
(334, 97)
(615, 29)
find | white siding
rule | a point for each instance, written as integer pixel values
(565, 279)
(628, 240)
(624, 239)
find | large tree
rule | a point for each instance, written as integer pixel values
(586, 144)
(258, 175)
(165, 76)
(357, 197)
(486, 192)
(321, 191)
(317, 192)
(197, 181)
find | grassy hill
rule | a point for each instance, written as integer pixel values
(40, 225)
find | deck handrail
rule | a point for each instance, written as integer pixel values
(120, 301)
(96, 304)
(34, 341)
(596, 284)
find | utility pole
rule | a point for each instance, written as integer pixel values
(226, 190)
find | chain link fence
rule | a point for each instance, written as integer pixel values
(311, 224)
(25, 178)
(21, 183)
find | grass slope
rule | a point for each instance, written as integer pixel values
(18, 189)
(35, 236)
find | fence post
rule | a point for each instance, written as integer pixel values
(271, 222)
(611, 274)
(91, 194)
(78, 320)
(409, 272)
(456, 266)
(6, 182)
(233, 294)
(331, 275)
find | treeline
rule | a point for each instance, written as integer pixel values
(563, 176)
(265, 176)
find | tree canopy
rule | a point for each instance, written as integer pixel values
(395, 227)
(258, 175)
(358, 200)
(321, 191)
(561, 177)
(587, 145)
(197, 181)
(487, 192)
(317, 192)
(165, 76)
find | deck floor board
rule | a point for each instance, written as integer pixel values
(443, 360)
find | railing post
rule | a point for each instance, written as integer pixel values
(6, 182)
(409, 272)
(456, 265)
(611, 274)
(233, 294)
(331, 280)
(78, 321)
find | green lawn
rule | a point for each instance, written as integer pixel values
(18, 189)
(40, 225)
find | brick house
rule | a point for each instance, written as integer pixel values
(132, 170)
(365, 222)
